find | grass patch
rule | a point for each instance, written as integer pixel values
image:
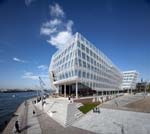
(88, 106)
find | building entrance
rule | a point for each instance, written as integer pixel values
(70, 90)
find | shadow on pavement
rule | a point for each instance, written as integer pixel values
(26, 127)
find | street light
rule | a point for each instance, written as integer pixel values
(42, 84)
(146, 84)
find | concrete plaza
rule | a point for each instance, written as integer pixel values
(118, 119)
(61, 116)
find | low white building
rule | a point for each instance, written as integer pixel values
(82, 69)
(129, 80)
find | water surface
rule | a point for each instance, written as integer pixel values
(9, 103)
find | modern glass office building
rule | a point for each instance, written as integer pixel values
(129, 80)
(81, 69)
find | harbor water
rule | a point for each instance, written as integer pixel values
(9, 103)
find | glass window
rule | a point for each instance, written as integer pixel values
(83, 56)
(67, 57)
(91, 53)
(66, 74)
(71, 62)
(94, 55)
(91, 61)
(65, 50)
(80, 63)
(72, 45)
(91, 84)
(70, 55)
(88, 65)
(87, 84)
(92, 68)
(75, 53)
(84, 64)
(83, 47)
(97, 57)
(66, 65)
(69, 74)
(79, 73)
(64, 59)
(76, 72)
(76, 61)
(62, 66)
(78, 44)
(88, 75)
(72, 73)
(87, 49)
(97, 64)
(100, 65)
(79, 53)
(88, 58)
(84, 74)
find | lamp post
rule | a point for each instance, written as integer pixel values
(42, 84)
(145, 87)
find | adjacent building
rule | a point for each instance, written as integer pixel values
(129, 80)
(141, 86)
(81, 69)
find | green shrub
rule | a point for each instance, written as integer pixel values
(88, 106)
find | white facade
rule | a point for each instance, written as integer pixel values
(81, 62)
(129, 79)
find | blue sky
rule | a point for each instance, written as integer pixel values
(30, 33)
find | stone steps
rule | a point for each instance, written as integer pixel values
(73, 113)
(78, 104)
(62, 111)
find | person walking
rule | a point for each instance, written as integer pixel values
(17, 127)
(33, 112)
(99, 111)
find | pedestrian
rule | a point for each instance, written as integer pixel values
(99, 110)
(17, 127)
(96, 109)
(33, 112)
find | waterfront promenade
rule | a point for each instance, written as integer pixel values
(128, 114)
(38, 123)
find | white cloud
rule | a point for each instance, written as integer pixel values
(30, 75)
(42, 67)
(52, 23)
(69, 26)
(56, 10)
(35, 78)
(28, 2)
(47, 31)
(18, 60)
(58, 29)
(61, 39)
(50, 27)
